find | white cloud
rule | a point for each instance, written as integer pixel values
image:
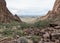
(29, 4)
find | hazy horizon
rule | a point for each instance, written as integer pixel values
(30, 7)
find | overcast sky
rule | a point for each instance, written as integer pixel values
(30, 7)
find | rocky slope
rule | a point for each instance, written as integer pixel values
(5, 15)
(53, 14)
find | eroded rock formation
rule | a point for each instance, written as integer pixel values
(5, 15)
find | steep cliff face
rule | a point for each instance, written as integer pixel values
(5, 15)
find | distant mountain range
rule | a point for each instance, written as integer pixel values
(31, 16)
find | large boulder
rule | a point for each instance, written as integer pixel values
(57, 27)
(22, 40)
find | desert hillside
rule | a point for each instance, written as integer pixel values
(54, 14)
(45, 29)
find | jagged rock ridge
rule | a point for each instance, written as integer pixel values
(5, 15)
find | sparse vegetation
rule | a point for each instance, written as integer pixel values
(7, 32)
(43, 23)
(11, 32)
(20, 33)
(35, 39)
(25, 25)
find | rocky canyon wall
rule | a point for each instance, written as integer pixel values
(5, 15)
(54, 13)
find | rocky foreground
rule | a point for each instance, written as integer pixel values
(50, 34)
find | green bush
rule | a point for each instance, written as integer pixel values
(12, 32)
(20, 33)
(9, 25)
(35, 39)
(7, 32)
(43, 23)
(24, 25)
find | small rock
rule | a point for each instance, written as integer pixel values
(57, 27)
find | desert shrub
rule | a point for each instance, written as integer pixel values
(24, 25)
(7, 32)
(35, 39)
(43, 23)
(5, 24)
(15, 23)
(9, 25)
(23, 40)
(12, 32)
(20, 33)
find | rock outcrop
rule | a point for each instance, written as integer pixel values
(17, 18)
(54, 14)
(5, 15)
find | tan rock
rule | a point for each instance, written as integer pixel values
(57, 27)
